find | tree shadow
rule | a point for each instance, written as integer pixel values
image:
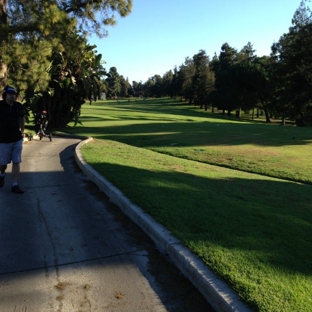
(278, 230)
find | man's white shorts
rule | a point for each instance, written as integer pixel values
(11, 152)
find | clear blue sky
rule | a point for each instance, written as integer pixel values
(159, 34)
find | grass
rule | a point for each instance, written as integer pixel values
(187, 132)
(230, 189)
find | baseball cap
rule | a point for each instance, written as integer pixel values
(9, 89)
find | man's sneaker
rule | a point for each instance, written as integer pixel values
(2, 180)
(16, 189)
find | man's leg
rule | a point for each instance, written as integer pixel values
(15, 172)
(2, 169)
(16, 160)
(4, 159)
(2, 174)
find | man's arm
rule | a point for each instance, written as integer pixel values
(22, 119)
(22, 124)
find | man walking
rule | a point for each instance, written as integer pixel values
(11, 136)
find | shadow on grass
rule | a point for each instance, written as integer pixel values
(269, 218)
(182, 108)
(165, 106)
(160, 122)
(206, 133)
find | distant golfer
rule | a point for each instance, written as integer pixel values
(11, 136)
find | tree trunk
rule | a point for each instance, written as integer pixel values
(283, 121)
(3, 40)
(3, 16)
(238, 113)
(267, 115)
(3, 75)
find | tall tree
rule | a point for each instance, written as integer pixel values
(262, 82)
(167, 83)
(3, 42)
(148, 87)
(225, 76)
(185, 78)
(294, 66)
(125, 87)
(175, 88)
(114, 83)
(137, 88)
(203, 79)
(157, 89)
(240, 79)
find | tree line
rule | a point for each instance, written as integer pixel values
(44, 52)
(235, 81)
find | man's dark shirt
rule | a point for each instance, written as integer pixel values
(10, 122)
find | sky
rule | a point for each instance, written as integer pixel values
(159, 34)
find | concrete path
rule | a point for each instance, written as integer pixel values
(65, 247)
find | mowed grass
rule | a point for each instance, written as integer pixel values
(229, 189)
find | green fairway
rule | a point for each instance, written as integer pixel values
(187, 132)
(230, 189)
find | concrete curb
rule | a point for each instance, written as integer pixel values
(219, 295)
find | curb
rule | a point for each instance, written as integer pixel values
(217, 293)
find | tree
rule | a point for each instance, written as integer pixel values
(126, 89)
(137, 88)
(185, 79)
(167, 83)
(42, 16)
(92, 74)
(203, 80)
(75, 77)
(3, 39)
(241, 80)
(261, 80)
(247, 80)
(175, 88)
(294, 65)
(114, 83)
(157, 89)
(51, 27)
(148, 87)
(225, 95)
